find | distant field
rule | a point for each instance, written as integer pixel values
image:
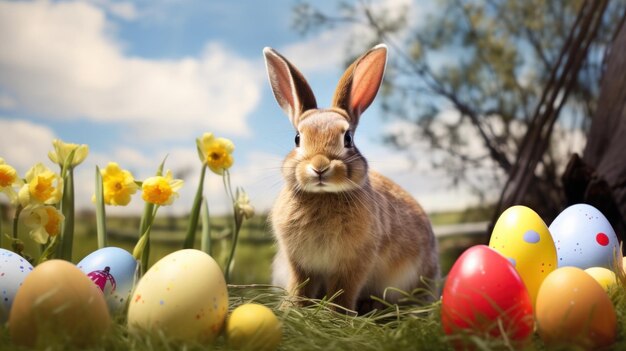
(256, 247)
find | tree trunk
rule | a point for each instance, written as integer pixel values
(599, 178)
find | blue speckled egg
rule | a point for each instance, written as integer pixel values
(13, 269)
(113, 270)
(584, 238)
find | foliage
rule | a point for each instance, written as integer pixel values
(44, 201)
(316, 327)
(464, 82)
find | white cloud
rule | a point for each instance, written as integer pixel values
(323, 52)
(24, 144)
(61, 60)
(122, 9)
(6, 102)
(327, 50)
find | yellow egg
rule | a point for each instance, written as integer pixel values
(573, 309)
(58, 303)
(184, 295)
(523, 238)
(602, 275)
(253, 327)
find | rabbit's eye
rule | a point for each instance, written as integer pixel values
(297, 140)
(347, 139)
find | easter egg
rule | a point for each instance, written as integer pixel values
(523, 238)
(56, 304)
(584, 238)
(484, 293)
(113, 270)
(572, 308)
(13, 270)
(253, 327)
(605, 277)
(184, 295)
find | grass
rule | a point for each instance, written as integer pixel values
(317, 327)
(472, 214)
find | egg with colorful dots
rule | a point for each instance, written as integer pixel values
(584, 238)
(523, 238)
(13, 269)
(113, 270)
(183, 295)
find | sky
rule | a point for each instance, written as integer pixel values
(139, 81)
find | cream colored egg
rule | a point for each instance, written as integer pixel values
(602, 275)
(58, 304)
(573, 310)
(523, 238)
(253, 327)
(184, 295)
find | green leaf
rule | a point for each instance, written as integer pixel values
(205, 241)
(160, 169)
(141, 251)
(190, 238)
(149, 212)
(100, 211)
(67, 208)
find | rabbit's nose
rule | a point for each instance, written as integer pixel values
(319, 164)
(316, 172)
(320, 171)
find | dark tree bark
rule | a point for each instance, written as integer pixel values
(523, 186)
(599, 178)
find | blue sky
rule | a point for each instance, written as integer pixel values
(140, 80)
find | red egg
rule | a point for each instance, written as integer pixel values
(484, 295)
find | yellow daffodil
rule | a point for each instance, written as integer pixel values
(42, 187)
(118, 185)
(9, 180)
(44, 221)
(242, 205)
(216, 152)
(161, 190)
(62, 152)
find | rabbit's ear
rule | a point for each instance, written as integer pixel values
(291, 90)
(359, 85)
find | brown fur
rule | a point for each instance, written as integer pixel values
(338, 224)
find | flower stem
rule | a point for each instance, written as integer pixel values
(231, 256)
(67, 208)
(238, 221)
(101, 229)
(49, 249)
(147, 219)
(229, 190)
(16, 221)
(149, 213)
(190, 238)
(205, 239)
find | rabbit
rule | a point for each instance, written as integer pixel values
(339, 226)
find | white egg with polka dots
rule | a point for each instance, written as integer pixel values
(13, 269)
(584, 238)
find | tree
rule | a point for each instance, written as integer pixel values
(476, 70)
(599, 177)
